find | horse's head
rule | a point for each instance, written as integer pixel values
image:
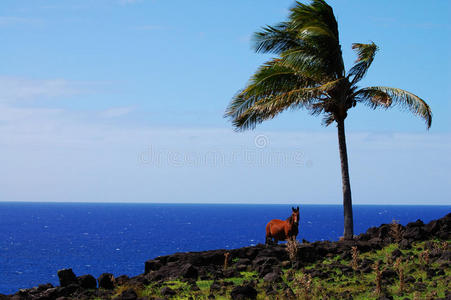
(295, 215)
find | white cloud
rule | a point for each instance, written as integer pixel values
(13, 114)
(20, 89)
(63, 155)
(27, 89)
(84, 159)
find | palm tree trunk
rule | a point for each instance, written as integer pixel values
(347, 201)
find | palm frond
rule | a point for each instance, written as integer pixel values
(365, 56)
(317, 28)
(240, 103)
(381, 96)
(328, 119)
(275, 39)
(317, 13)
(271, 78)
(302, 97)
(268, 107)
(306, 62)
(315, 99)
(309, 73)
(309, 38)
(274, 77)
(373, 97)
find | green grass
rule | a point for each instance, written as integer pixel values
(336, 286)
(204, 284)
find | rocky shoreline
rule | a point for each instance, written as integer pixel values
(265, 261)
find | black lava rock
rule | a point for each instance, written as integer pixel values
(167, 291)
(243, 292)
(106, 281)
(388, 274)
(405, 244)
(127, 295)
(188, 271)
(215, 287)
(396, 253)
(87, 281)
(152, 265)
(123, 279)
(264, 269)
(66, 277)
(272, 277)
(68, 290)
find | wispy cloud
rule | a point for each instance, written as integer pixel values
(11, 115)
(109, 159)
(9, 20)
(26, 89)
(115, 112)
(20, 89)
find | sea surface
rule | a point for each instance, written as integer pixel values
(37, 239)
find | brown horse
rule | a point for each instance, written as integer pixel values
(280, 230)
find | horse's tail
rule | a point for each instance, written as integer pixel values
(268, 232)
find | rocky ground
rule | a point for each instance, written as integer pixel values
(387, 262)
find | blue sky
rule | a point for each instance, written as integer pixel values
(122, 100)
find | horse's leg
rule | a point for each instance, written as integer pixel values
(268, 241)
(289, 237)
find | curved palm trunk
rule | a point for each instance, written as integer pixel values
(347, 201)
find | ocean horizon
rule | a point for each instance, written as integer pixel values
(39, 238)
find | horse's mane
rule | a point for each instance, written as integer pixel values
(289, 219)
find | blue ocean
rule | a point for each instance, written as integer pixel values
(37, 239)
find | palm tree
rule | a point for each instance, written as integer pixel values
(309, 73)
